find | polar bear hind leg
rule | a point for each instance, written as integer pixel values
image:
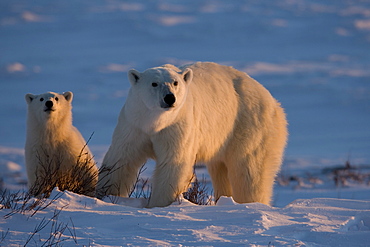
(220, 181)
(252, 175)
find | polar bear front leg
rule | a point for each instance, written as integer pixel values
(117, 176)
(31, 167)
(121, 164)
(170, 179)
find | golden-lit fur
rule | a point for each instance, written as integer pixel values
(56, 153)
(221, 117)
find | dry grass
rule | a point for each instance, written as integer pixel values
(56, 234)
(197, 192)
(140, 189)
(22, 202)
(341, 176)
(81, 178)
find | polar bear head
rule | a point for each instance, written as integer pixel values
(50, 106)
(162, 88)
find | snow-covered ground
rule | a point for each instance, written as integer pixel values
(78, 220)
(314, 57)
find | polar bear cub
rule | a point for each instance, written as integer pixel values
(56, 153)
(199, 113)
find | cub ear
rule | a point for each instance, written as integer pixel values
(187, 75)
(133, 76)
(68, 96)
(29, 97)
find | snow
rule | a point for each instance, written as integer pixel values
(312, 55)
(91, 222)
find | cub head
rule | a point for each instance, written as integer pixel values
(161, 88)
(49, 105)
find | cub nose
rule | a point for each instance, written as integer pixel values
(169, 99)
(49, 104)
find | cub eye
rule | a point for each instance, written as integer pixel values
(175, 83)
(41, 99)
(154, 84)
(56, 99)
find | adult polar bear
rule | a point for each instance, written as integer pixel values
(203, 112)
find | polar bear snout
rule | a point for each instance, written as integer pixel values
(49, 106)
(169, 100)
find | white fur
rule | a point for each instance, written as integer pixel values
(52, 140)
(221, 117)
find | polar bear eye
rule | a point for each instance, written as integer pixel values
(154, 84)
(41, 99)
(175, 83)
(56, 99)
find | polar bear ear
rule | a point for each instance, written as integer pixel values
(29, 97)
(187, 75)
(68, 96)
(133, 76)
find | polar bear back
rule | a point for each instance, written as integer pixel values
(229, 95)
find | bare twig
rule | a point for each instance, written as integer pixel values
(198, 192)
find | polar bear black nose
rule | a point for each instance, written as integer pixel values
(49, 104)
(169, 99)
